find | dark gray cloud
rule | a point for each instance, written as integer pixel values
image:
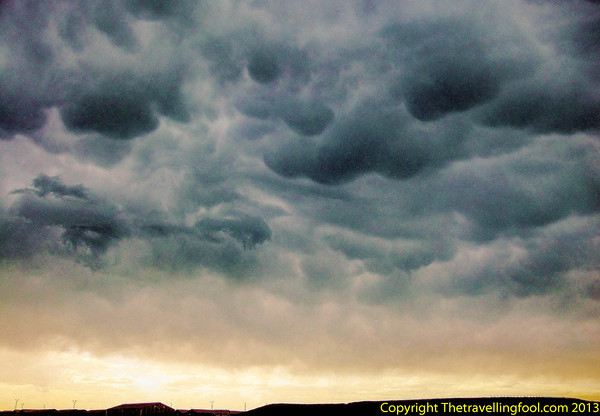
(505, 194)
(224, 57)
(580, 39)
(423, 220)
(543, 264)
(117, 116)
(291, 99)
(249, 231)
(426, 123)
(90, 226)
(44, 185)
(119, 104)
(19, 114)
(561, 96)
(124, 106)
(455, 64)
(308, 118)
(21, 239)
(568, 106)
(267, 62)
(445, 107)
(98, 150)
(160, 9)
(109, 19)
(522, 191)
(263, 66)
(27, 79)
(374, 137)
(221, 244)
(389, 257)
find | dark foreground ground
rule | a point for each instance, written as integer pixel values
(494, 405)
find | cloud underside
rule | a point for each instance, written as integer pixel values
(255, 328)
(391, 161)
(455, 113)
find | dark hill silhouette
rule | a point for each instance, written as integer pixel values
(502, 405)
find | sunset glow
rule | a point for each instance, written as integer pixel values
(235, 203)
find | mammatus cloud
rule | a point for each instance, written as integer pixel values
(123, 106)
(361, 187)
(454, 64)
(374, 137)
(451, 110)
(305, 118)
(119, 103)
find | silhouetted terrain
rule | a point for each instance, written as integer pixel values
(501, 405)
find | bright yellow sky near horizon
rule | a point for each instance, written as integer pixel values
(336, 351)
(242, 202)
(98, 383)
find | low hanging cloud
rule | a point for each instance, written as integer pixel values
(91, 225)
(44, 185)
(568, 107)
(449, 108)
(219, 244)
(454, 64)
(556, 260)
(119, 104)
(267, 62)
(87, 223)
(517, 192)
(313, 174)
(123, 107)
(305, 118)
(21, 240)
(374, 137)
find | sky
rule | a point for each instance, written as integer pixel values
(248, 202)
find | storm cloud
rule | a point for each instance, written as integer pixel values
(123, 107)
(91, 225)
(402, 182)
(120, 103)
(454, 64)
